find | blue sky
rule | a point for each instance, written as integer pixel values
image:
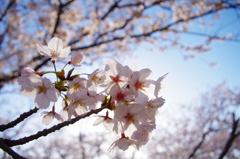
(187, 79)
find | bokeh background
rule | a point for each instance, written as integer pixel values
(196, 42)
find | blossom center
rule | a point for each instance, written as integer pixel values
(77, 86)
(95, 79)
(139, 85)
(78, 103)
(129, 117)
(54, 53)
(42, 89)
(115, 79)
(120, 96)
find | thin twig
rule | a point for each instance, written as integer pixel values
(18, 120)
(45, 132)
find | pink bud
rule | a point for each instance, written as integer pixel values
(77, 58)
(27, 71)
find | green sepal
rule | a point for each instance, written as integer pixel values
(61, 75)
(61, 85)
(70, 73)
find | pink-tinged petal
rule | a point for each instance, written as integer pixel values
(98, 121)
(58, 117)
(144, 73)
(108, 124)
(47, 119)
(41, 101)
(65, 114)
(27, 71)
(158, 85)
(52, 94)
(141, 98)
(77, 59)
(122, 144)
(114, 66)
(126, 72)
(137, 134)
(31, 92)
(121, 111)
(112, 147)
(43, 50)
(55, 44)
(80, 110)
(65, 52)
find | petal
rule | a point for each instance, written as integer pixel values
(43, 50)
(52, 94)
(58, 117)
(98, 121)
(144, 73)
(65, 52)
(55, 44)
(41, 101)
(47, 119)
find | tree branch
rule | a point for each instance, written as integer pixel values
(115, 5)
(10, 4)
(166, 27)
(18, 120)
(231, 138)
(205, 35)
(200, 143)
(45, 132)
(8, 150)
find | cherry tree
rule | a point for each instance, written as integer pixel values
(104, 27)
(35, 34)
(207, 129)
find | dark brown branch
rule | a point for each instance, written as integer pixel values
(45, 132)
(205, 35)
(8, 150)
(10, 4)
(156, 30)
(115, 5)
(60, 11)
(232, 137)
(200, 143)
(18, 120)
(115, 29)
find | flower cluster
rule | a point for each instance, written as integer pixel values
(132, 96)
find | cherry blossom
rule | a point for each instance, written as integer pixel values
(141, 81)
(49, 116)
(97, 77)
(116, 74)
(54, 50)
(76, 59)
(46, 93)
(106, 120)
(26, 81)
(126, 115)
(77, 85)
(123, 143)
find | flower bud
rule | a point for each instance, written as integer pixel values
(76, 59)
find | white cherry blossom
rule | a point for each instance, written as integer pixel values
(123, 143)
(116, 74)
(54, 50)
(46, 93)
(49, 116)
(26, 81)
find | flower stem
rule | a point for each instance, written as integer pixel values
(55, 69)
